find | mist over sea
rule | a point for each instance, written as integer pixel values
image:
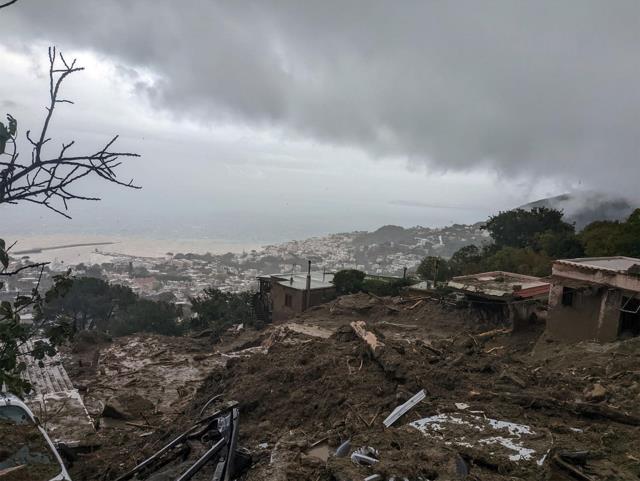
(145, 231)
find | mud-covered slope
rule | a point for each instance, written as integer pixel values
(498, 405)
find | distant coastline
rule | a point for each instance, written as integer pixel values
(69, 249)
(37, 250)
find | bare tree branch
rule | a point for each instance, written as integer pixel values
(20, 269)
(48, 180)
(8, 3)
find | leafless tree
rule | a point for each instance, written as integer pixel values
(48, 179)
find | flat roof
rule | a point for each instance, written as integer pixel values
(617, 263)
(501, 284)
(299, 280)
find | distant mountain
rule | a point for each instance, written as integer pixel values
(582, 208)
(387, 233)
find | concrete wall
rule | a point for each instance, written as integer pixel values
(280, 310)
(594, 315)
(523, 315)
(320, 296)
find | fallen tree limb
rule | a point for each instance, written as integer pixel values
(571, 469)
(396, 324)
(412, 307)
(497, 348)
(384, 302)
(492, 333)
(579, 408)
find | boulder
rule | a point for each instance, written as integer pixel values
(127, 406)
(596, 393)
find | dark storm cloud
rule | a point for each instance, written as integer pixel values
(537, 88)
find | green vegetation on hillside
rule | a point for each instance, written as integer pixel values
(350, 281)
(94, 304)
(527, 242)
(218, 310)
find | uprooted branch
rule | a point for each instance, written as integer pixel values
(579, 408)
(3, 5)
(48, 179)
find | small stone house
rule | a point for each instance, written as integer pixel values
(504, 296)
(283, 296)
(594, 298)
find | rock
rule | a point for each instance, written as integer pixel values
(265, 426)
(127, 406)
(597, 393)
(509, 376)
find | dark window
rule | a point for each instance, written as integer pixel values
(567, 296)
(629, 317)
(288, 300)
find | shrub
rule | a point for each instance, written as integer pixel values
(348, 281)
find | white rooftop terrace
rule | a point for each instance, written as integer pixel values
(298, 280)
(616, 263)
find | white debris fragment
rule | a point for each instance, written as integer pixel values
(462, 406)
(541, 461)
(521, 453)
(436, 422)
(401, 410)
(513, 428)
(470, 430)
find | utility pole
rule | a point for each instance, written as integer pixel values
(436, 263)
(308, 299)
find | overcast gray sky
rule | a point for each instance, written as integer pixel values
(291, 118)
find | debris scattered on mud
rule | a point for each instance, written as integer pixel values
(497, 406)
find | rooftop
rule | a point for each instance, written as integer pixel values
(501, 284)
(616, 264)
(298, 280)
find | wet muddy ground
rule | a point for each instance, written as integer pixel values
(499, 405)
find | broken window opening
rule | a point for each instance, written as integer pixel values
(288, 300)
(568, 294)
(630, 305)
(630, 317)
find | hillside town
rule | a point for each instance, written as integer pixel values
(177, 277)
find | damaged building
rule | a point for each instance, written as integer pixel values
(283, 296)
(595, 299)
(501, 296)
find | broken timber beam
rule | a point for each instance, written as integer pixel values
(360, 328)
(413, 306)
(387, 357)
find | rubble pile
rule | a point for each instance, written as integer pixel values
(336, 394)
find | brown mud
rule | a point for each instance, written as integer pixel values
(499, 405)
